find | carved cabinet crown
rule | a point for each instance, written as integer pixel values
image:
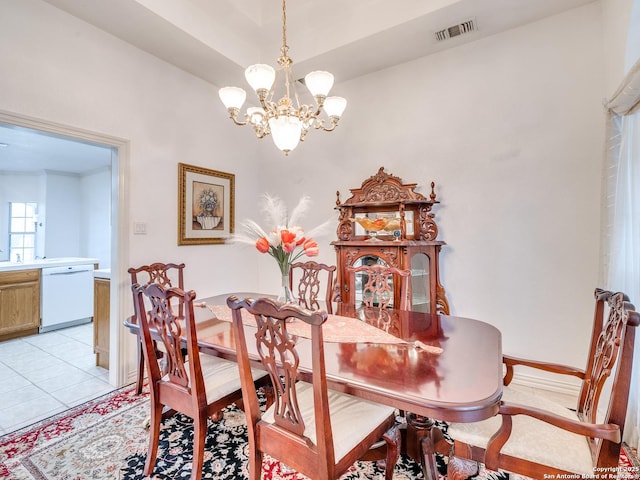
(384, 193)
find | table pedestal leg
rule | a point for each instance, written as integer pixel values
(418, 427)
(424, 440)
(419, 444)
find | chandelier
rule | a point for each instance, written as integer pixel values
(285, 119)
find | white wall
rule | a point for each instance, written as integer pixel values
(95, 216)
(633, 38)
(62, 219)
(510, 128)
(616, 15)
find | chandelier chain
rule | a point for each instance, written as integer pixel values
(285, 47)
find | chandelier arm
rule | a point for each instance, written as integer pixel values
(233, 115)
(319, 125)
(261, 134)
(238, 122)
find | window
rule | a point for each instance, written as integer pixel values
(22, 231)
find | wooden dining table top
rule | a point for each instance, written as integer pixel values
(437, 366)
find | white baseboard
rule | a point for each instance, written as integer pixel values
(544, 383)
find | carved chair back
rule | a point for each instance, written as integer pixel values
(605, 355)
(286, 436)
(164, 274)
(162, 323)
(309, 282)
(377, 290)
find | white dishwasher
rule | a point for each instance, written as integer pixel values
(66, 296)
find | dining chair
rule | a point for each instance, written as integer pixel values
(314, 430)
(307, 277)
(540, 438)
(167, 275)
(199, 387)
(377, 286)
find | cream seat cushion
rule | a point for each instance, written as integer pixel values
(221, 377)
(532, 439)
(351, 418)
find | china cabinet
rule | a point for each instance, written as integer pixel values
(387, 222)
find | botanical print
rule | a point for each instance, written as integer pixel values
(208, 206)
(205, 205)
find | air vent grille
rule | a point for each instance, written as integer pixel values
(456, 30)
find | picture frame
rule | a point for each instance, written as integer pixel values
(205, 205)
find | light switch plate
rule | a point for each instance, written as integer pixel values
(139, 228)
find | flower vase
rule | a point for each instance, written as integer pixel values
(286, 295)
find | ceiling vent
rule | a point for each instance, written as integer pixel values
(456, 30)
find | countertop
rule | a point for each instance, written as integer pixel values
(102, 273)
(46, 262)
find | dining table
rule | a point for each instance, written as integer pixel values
(429, 366)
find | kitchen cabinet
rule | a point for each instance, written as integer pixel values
(101, 318)
(387, 222)
(19, 303)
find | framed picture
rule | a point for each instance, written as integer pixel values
(205, 205)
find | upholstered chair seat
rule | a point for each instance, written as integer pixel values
(351, 418)
(531, 439)
(220, 376)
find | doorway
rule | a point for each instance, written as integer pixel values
(119, 353)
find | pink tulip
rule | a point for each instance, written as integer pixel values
(287, 236)
(262, 244)
(311, 248)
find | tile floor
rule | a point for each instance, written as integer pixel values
(44, 374)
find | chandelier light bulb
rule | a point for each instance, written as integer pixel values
(232, 97)
(319, 83)
(335, 106)
(260, 76)
(286, 131)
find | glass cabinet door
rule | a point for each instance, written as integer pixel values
(361, 278)
(420, 285)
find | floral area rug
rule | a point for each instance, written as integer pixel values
(106, 439)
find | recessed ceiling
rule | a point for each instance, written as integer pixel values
(216, 39)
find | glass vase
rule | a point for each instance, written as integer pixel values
(286, 295)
